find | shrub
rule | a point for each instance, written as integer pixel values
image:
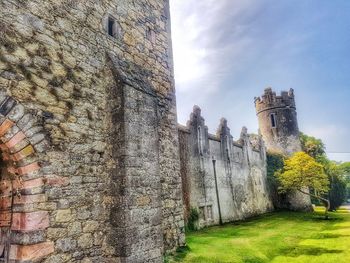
(193, 219)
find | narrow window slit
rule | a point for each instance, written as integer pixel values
(273, 120)
(111, 23)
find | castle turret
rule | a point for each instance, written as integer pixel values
(278, 125)
(278, 121)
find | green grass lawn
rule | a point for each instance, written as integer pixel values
(277, 237)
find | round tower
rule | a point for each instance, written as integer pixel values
(278, 121)
(279, 128)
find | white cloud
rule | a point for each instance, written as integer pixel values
(200, 30)
(210, 43)
(226, 52)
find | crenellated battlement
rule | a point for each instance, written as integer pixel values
(222, 178)
(278, 124)
(278, 120)
(197, 127)
(270, 100)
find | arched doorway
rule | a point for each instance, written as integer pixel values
(21, 139)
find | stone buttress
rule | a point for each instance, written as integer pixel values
(88, 130)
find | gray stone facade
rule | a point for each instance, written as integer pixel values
(97, 77)
(278, 125)
(94, 165)
(278, 122)
(225, 180)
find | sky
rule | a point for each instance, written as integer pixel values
(226, 52)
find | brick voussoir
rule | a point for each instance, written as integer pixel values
(29, 199)
(33, 175)
(5, 187)
(5, 127)
(5, 204)
(25, 152)
(30, 221)
(25, 171)
(19, 146)
(3, 147)
(10, 134)
(27, 160)
(29, 183)
(6, 156)
(28, 238)
(15, 139)
(5, 218)
(18, 137)
(28, 168)
(29, 253)
(11, 170)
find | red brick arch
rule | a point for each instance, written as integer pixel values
(22, 191)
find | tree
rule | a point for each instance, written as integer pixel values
(316, 148)
(345, 169)
(300, 173)
(337, 193)
(274, 163)
(312, 146)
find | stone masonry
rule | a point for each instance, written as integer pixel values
(278, 125)
(94, 166)
(223, 179)
(90, 169)
(278, 122)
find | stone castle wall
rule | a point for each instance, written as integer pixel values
(107, 185)
(240, 187)
(284, 136)
(278, 125)
(93, 162)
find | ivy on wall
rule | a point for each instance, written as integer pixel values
(275, 162)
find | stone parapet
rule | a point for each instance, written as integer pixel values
(269, 100)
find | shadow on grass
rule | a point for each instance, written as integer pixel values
(322, 218)
(252, 259)
(327, 235)
(181, 253)
(342, 211)
(268, 221)
(309, 251)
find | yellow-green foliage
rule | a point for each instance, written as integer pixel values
(302, 171)
(312, 146)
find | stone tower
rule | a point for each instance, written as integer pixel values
(90, 168)
(278, 121)
(278, 124)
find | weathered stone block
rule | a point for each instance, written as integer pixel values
(64, 215)
(66, 244)
(85, 241)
